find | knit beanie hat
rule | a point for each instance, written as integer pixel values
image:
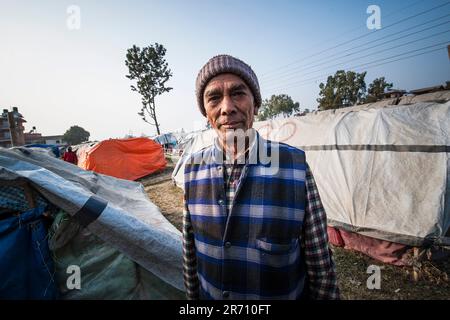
(226, 64)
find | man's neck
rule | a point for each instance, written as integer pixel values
(237, 149)
(233, 153)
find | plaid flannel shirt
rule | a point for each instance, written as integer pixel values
(319, 267)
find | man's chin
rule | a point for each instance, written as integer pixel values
(225, 132)
(231, 134)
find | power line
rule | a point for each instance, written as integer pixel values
(368, 34)
(362, 36)
(296, 69)
(348, 32)
(404, 58)
(363, 66)
(371, 54)
(357, 67)
(369, 67)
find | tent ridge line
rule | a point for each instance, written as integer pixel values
(379, 147)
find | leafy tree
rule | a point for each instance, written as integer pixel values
(276, 105)
(150, 70)
(376, 89)
(76, 135)
(342, 90)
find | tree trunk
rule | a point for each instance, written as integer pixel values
(154, 117)
(157, 126)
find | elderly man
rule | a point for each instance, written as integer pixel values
(250, 232)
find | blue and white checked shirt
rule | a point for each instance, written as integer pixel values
(270, 242)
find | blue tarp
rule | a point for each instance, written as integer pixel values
(166, 139)
(55, 148)
(26, 267)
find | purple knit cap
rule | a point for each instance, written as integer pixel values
(226, 64)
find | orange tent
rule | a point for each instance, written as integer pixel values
(128, 159)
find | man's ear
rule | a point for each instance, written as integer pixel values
(255, 111)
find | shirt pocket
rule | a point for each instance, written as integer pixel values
(277, 248)
(277, 255)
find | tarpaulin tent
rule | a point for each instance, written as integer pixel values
(54, 149)
(128, 159)
(382, 170)
(124, 246)
(166, 139)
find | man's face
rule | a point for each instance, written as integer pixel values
(229, 104)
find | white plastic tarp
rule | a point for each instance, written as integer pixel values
(382, 170)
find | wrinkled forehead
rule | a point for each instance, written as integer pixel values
(224, 81)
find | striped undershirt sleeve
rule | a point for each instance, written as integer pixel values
(190, 276)
(318, 258)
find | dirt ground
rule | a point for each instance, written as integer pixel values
(169, 199)
(396, 282)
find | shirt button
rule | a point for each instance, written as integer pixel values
(227, 244)
(221, 202)
(219, 168)
(226, 294)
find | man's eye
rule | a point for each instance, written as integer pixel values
(213, 98)
(238, 93)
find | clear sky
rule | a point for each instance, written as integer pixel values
(60, 77)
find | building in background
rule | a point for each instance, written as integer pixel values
(35, 137)
(12, 131)
(11, 128)
(53, 139)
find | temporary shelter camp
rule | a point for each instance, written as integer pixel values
(128, 159)
(68, 233)
(382, 171)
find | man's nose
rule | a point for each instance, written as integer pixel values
(227, 106)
